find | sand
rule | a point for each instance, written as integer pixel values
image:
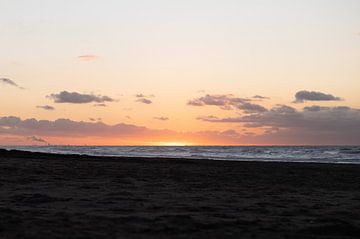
(58, 196)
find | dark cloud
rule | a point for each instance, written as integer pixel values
(45, 107)
(228, 102)
(315, 121)
(305, 95)
(37, 139)
(77, 98)
(144, 101)
(161, 118)
(7, 81)
(286, 125)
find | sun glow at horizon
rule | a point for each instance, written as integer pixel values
(174, 143)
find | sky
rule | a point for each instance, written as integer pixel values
(199, 72)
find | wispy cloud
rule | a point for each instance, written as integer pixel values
(78, 98)
(95, 119)
(45, 107)
(144, 101)
(305, 95)
(88, 57)
(37, 139)
(100, 105)
(7, 81)
(260, 97)
(144, 96)
(162, 118)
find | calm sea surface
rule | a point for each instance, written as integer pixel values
(323, 154)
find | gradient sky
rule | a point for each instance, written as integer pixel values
(179, 72)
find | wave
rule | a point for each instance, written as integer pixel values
(321, 154)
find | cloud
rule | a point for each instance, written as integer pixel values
(313, 124)
(144, 101)
(280, 125)
(63, 127)
(217, 100)
(88, 57)
(251, 108)
(100, 105)
(259, 97)
(7, 81)
(84, 132)
(305, 95)
(227, 102)
(37, 139)
(77, 98)
(45, 107)
(93, 119)
(161, 118)
(144, 96)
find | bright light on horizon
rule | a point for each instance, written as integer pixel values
(174, 144)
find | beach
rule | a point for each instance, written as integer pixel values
(74, 196)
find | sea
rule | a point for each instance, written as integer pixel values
(316, 154)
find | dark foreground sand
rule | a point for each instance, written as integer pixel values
(49, 196)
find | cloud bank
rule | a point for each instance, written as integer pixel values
(279, 125)
(315, 124)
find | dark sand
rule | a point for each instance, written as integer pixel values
(56, 196)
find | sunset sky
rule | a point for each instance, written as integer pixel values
(189, 72)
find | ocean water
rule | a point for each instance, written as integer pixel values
(320, 154)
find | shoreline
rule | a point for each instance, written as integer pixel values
(76, 196)
(40, 155)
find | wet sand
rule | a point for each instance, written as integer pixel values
(58, 196)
